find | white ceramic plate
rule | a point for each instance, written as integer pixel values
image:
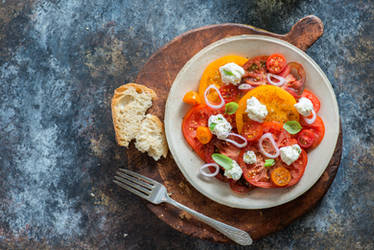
(189, 163)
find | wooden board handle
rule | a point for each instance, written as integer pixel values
(305, 32)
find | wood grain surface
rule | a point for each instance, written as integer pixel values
(159, 73)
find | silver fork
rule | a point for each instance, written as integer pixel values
(156, 193)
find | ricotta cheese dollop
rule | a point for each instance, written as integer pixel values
(231, 73)
(249, 157)
(290, 154)
(304, 106)
(219, 126)
(235, 172)
(255, 110)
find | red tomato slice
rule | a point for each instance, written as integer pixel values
(256, 64)
(272, 127)
(276, 63)
(227, 149)
(313, 98)
(252, 130)
(306, 138)
(281, 136)
(198, 116)
(295, 79)
(230, 93)
(256, 174)
(317, 127)
(255, 71)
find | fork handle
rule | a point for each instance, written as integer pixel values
(239, 236)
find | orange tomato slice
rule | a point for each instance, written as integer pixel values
(211, 75)
(279, 103)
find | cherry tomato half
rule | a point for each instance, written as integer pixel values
(306, 138)
(276, 63)
(203, 134)
(280, 176)
(318, 129)
(192, 97)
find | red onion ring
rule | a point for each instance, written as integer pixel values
(279, 78)
(245, 86)
(311, 120)
(212, 86)
(209, 165)
(239, 145)
(262, 150)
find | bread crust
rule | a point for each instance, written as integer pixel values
(118, 93)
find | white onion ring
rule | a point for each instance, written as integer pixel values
(239, 145)
(279, 78)
(245, 86)
(311, 120)
(271, 138)
(212, 86)
(209, 165)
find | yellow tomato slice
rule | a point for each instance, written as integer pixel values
(279, 103)
(211, 74)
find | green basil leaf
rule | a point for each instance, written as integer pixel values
(212, 126)
(229, 73)
(292, 127)
(222, 160)
(269, 162)
(231, 107)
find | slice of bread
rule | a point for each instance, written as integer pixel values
(129, 104)
(151, 137)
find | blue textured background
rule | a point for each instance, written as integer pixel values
(59, 64)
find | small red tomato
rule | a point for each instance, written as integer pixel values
(276, 63)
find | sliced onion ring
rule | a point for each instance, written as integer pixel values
(279, 78)
(209, 165)
(212, 86)
(239, 145)
(271, 139)
(245, 86)
(311, 120)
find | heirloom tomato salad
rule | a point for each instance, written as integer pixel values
(252, 121)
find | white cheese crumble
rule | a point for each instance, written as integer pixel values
(231, 73)
(221, 127)
(235, 172)
(290, 154)
(255, 110)
(249, 157)
(304, 106)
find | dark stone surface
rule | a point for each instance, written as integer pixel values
(61, 60)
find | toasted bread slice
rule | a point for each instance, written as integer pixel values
(129, 104)
(151, 137)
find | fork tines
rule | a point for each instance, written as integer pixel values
(134, 182)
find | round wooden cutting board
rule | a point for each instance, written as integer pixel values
(159, 73)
